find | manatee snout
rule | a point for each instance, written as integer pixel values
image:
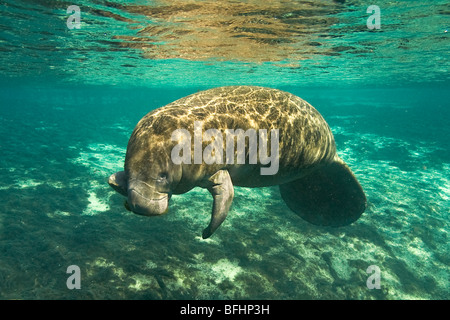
(118, 181)
(145, 201)
(142, 198)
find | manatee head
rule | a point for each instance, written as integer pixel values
(148, 180)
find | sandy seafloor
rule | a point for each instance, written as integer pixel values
(59, 145)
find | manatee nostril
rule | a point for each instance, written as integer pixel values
(118, 182)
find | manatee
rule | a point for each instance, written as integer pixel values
(213, 139)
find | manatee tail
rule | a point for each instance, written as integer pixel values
(329, 196)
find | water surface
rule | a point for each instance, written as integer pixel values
(71, 98)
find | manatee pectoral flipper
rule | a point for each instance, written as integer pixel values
(328, 196)
(221, 188)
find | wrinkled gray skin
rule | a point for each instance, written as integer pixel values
(149, 188)
(306, 146)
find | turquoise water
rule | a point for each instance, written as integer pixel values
(71, 98)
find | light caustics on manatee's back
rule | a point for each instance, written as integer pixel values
(314, 182)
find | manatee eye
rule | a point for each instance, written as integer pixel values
(163, 176)
(162, 181)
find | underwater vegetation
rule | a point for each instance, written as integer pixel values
(70, 98)
(57, 211)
